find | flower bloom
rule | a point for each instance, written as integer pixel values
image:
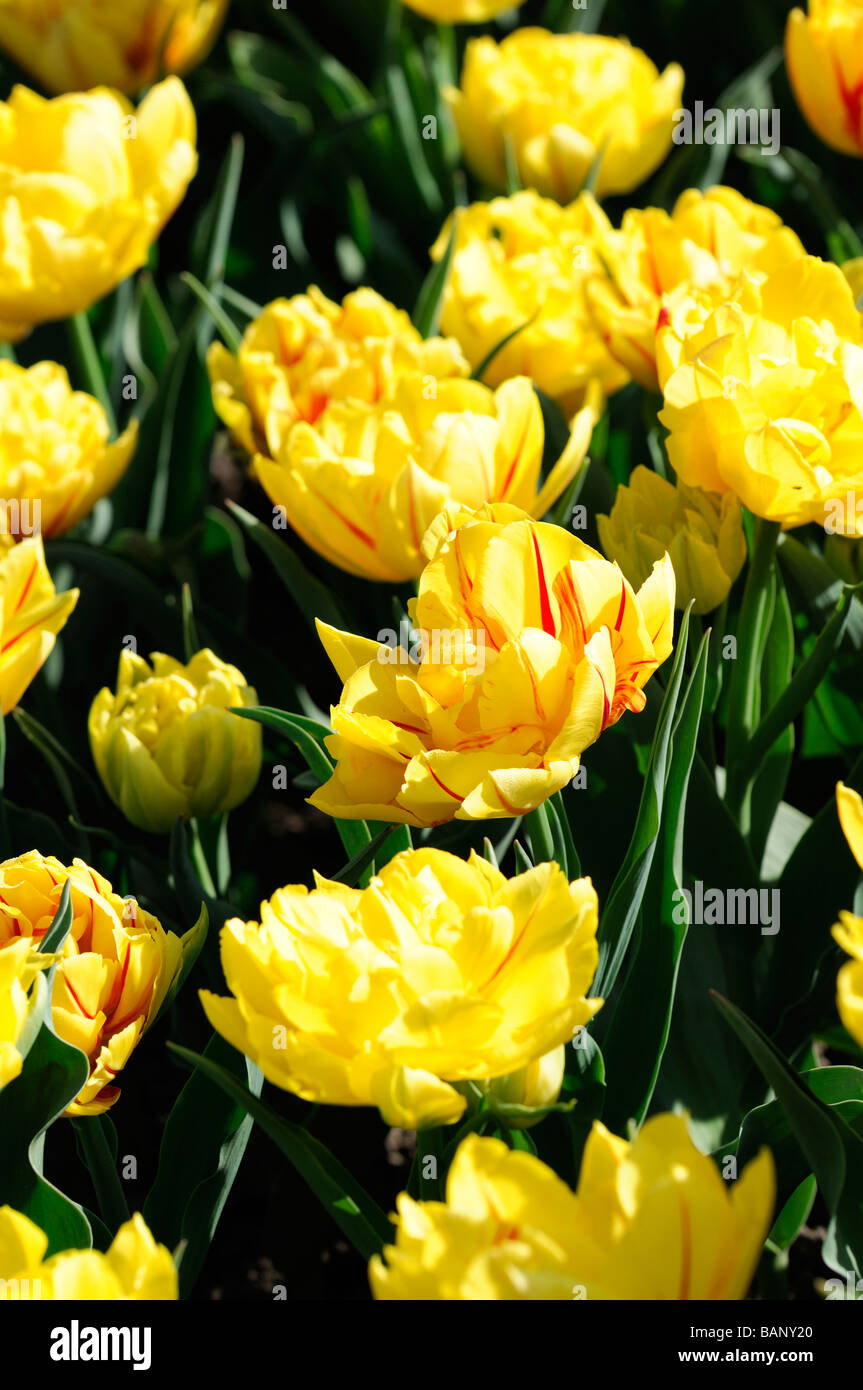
(88, 182)
(363, 485)
(535, 645)
(848, 931)
(133, 1266)
(70, 45)
(461, 11)
(651, 1219)
(19, 967)
(525, 262)
(114, 968)
(702, 532)
(165, 744)
(54, 451)
(440, 971)
(703, 244)
(31, 615)
(824, 57)
(562, 101)
(763, 394)
(301, 354)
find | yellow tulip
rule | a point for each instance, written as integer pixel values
(363, 485)
(533, 644)
(301, 354)
(762, 395)
(562, 102)
(535, 1086)
(114, 969)
(649, 1220)
(702, 533)
(31, 615)
(90, 182)
(527, 263)
(133, 1266)
(20, 966)
(703, 244)
(439, 972)
(853, 272)
(461, 11)
(165, 745)
(55, 459)
(848, 931)
(824, 57)
(68, 45)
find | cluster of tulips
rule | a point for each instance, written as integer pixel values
(455, 999)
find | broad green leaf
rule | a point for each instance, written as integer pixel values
(617, 922)
(353, 1210)
(640, 1018)
(202, 1147)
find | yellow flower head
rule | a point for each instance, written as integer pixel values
(824, 57)
(87, 183)
(562, 101)
(55, 458)
(114, 969)
(525, 260)
(70, 45)
(19, 967)
(364, 484)
(848, 931)
(461, 11)
(440, 971)
(301, 354)
(165, 745)
(702, 533)
(531, 645)
(651, 1219)
(702, 244)
(31, 615)
(133, 1266)
(763, 394)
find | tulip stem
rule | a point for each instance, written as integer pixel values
(541, 836)
(90, 366)
(97, 1154)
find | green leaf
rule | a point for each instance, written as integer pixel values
(833, 1150)
(793, 1215)
(52, 1075)
(52, 941)
(624, 901)
(479, 372)
(313, 599)
(429, 306)
(202, 1147)
(637, 1030)
(355, 1213)
(354, 871)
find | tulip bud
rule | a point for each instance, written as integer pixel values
(701, 532)
(824, 57)
(165, 744)
(564, 102)
(519, 274)
(103, 176)
(560, 646)
(73, 44)
(412, 993)
(55, 458)
(461, 11)
(534, 1087)
(651, 1219)
(31, 615)
(113, 972)
(133, 1266)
